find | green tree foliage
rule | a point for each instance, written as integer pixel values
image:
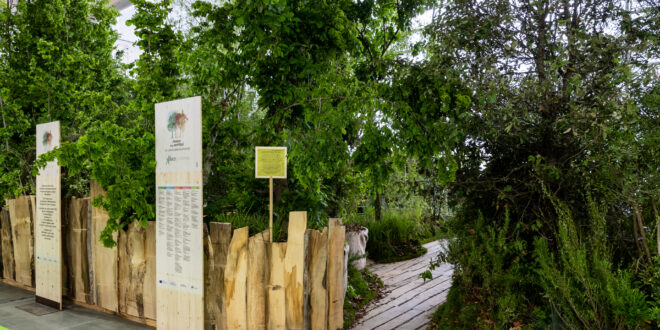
(118, 150)
(562, 99)
(56, 63)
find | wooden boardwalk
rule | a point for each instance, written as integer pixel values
(409, 302)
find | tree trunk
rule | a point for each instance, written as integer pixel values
(377, 207)
(640, 225)
(657, 224)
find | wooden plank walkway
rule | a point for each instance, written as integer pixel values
(409, 302)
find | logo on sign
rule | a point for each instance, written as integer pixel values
(176, 124)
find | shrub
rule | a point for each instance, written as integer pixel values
(397, 236)
(490, 277)
(580, 282)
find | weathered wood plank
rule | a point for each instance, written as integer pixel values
(33, 215)
(294, 267)
(21, 227)
(132, 270)
(149, 295)
(77, 262)
(8, 269)
(105, 260)
(316, 292)
(336, 238)
(257, 282)
(216, 249)
(236, 280)
(276, 293)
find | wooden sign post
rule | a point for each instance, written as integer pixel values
(179, 223)
(270, 162)
(48, 226)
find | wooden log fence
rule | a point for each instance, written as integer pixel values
(250, 283)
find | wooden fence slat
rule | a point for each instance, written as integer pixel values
(257, 282)
(77, 248)
(336, 238)
(105, 260)
(250, 283)
(316, 291)
(8, 270)
(216, 249)
(132, 270)
(33, 215)
(149, 293)
(236, 280)
(21, 227)
(276, 294)
(294, 267)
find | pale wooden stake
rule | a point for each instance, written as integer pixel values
(270, 214)
(294, 266)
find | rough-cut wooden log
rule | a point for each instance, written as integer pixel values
(336, 237)
(294, 266)
(216, 250)
(316, 292)
(66, 254)
(8, 270)
(105, 259)
(149, 296)
(77, 248)
(236, 280)
(276, 293)
(132, 270)
(21, 225)
(257, 282)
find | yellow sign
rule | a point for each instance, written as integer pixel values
(270, 162)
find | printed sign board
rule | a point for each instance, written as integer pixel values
(270, 162)
(48, 226)
(179, 249)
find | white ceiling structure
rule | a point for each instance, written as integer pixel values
(120, 4)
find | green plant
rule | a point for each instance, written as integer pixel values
(579, 280)
(491, 280)
(363, 287)
(396, 236)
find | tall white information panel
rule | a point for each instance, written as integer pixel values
(48, 226)
(179, 224)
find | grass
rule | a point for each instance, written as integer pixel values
(399, 235)
(363, 287)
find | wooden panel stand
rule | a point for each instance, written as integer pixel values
(316, 297)
(217, 248)
(236, 280)
(276, 295)
(294, 266)
(179, 214)
(8, 270)
(105, 260)
(336, 238)
(49, 263)
(257, 282)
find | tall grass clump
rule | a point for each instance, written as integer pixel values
(398, 235)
